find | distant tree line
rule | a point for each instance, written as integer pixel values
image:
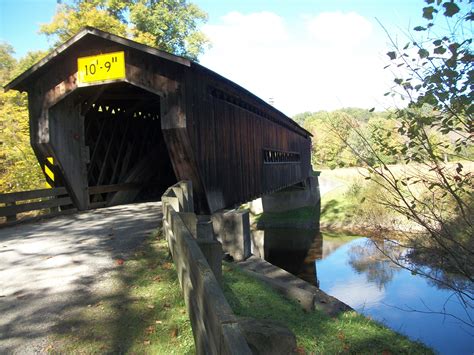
(352, 137)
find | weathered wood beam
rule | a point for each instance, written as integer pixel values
(33, 206)
(31, 195)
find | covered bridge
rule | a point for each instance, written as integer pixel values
(105, 110)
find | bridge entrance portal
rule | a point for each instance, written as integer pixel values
(125, 144)
(117, 129)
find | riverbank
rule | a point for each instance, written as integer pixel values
(355, 203)
(316, 332)
(152, 317)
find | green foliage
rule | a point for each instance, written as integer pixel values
(300, 118)
(337, 134)
(170, 25)
(19, 168)
(27, 61)
(437, 78)
(385, 140)
(436, 71)
(7, 62)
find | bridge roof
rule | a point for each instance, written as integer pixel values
(21, 81)
(24, 80)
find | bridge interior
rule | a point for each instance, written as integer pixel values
(125, 143)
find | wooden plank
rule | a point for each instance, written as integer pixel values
(113, 188)
(31, 195)
(67, 140)
(99, 204)
(105, 163)
(97, 146)
(119, 159)
(38, 218)
(33, 206)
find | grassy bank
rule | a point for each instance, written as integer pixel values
(316, 333)
(298, 217)
(140, 309)
(357, 201)
(355, 206)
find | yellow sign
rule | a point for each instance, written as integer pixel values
(48, 171)
(101, 67)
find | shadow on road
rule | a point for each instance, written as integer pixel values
(55, 268)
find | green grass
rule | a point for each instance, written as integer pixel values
(297, 215)
(315, 332)
(336, 207)
(143, 311)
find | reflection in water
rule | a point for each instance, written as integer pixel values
(354, 270)
(373, 260)
(294, 250)
(359, 275)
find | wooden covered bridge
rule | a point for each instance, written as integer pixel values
(105, 110)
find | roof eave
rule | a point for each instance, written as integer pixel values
(19, 81)
(255, 97)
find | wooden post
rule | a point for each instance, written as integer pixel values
(12, 217)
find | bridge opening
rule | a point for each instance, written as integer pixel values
(124, 142)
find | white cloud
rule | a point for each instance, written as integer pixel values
(338, 28)
(260, 52)
(256, 29)
(358, 293)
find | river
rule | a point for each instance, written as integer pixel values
(353, 270)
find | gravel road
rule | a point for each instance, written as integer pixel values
(49, 268)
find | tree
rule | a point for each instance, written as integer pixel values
(19, 168)
(7, 62)
(435, 76)
(335, 135)
(169, 25)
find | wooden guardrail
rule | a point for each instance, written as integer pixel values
(50, 202)
(216, 328)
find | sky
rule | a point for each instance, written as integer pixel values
(303, 55)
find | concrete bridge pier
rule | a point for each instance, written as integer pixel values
(305, 194)
(232, 227)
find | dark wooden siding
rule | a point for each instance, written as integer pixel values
(230, 130)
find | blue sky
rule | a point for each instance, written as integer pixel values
(307, 55)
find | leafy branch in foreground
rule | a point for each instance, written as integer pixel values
(436, 77)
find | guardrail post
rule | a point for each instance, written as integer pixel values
(210, 247)
(11, 218)
(233, 231)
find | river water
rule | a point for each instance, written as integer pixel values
(353, 270)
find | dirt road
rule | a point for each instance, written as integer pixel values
(50, 268)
